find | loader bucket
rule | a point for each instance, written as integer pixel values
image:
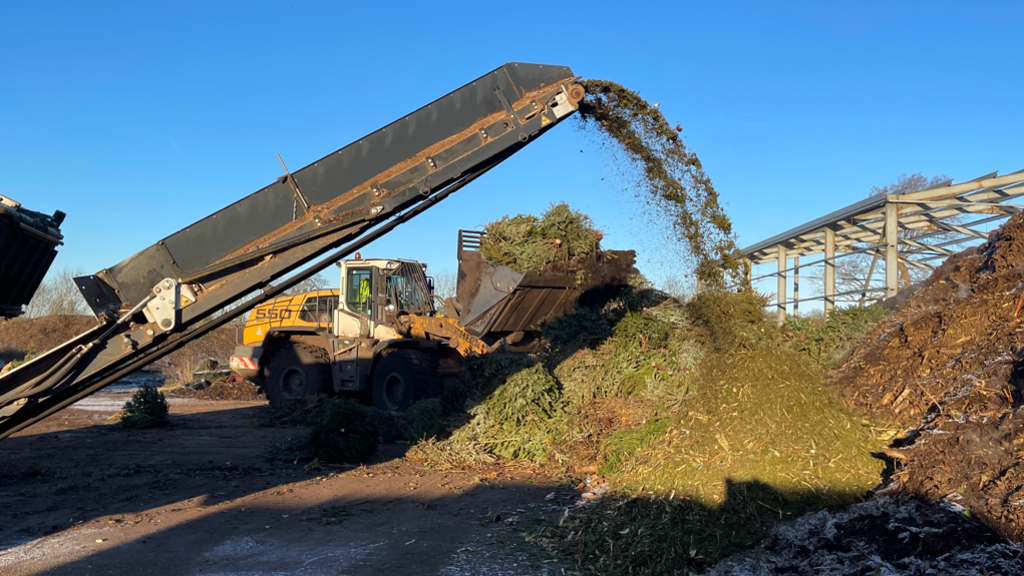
(28, 245)
(496, 299)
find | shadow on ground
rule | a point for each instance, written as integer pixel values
(78, 469)
(349, 525)
(666, 536)
(200, 497)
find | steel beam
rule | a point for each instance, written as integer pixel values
(925, 247)
(781, 296)
(796, 285)
(892, 276)
(958, 189)
(830, 270)
(956, 228)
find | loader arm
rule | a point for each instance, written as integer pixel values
(443, 328)
(183, 286)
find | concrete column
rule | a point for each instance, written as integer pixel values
(796, 285)
(830, 270)
(891, 249)
(782, 285)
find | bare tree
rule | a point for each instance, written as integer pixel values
(58, 296)
(676, 286)
(445, 284)
(209, 352)
(311, 284)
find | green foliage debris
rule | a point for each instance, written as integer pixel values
(425, 419)
(518, 419)
(526, 242)
(341, 431)
(827, 340)
(644, 357)
(147, 408)
(707, 424)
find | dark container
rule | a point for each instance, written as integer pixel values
(28, 245)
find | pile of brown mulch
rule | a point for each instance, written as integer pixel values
(954, 344)
(974, 464)
(19, 336)
(948, 367)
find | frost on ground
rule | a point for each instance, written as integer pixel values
(13, 554)
(885, 536)
(479, 558)
(264, 556)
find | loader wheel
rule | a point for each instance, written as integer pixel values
(295, 371)
(403, 377)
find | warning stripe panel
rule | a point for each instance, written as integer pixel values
(243, 364)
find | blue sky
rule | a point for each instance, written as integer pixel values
(140, 118)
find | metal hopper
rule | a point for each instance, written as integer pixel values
(28, 245)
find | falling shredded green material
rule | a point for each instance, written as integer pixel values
(670, 173)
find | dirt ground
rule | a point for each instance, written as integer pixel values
(83, 496)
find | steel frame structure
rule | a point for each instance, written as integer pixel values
(879, 226)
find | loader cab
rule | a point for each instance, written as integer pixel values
(375, 291)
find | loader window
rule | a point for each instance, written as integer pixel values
(357, 291)
(318, 310)
(409, 290)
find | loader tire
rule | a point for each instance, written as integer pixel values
(403, 377)
(296, 371)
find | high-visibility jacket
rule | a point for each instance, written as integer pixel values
(364, 293)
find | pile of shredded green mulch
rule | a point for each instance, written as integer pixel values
(700, 416)
(561, 236)
(709, 426)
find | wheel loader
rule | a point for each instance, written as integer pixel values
(380, 336)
